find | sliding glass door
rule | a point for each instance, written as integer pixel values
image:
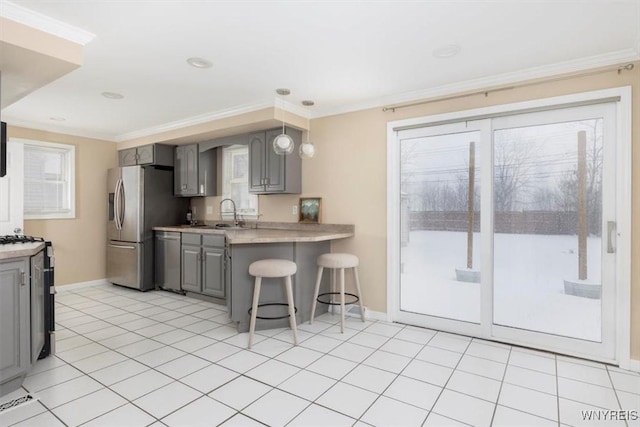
(507, 228)
(440, 228)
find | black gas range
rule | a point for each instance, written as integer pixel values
(48, 284)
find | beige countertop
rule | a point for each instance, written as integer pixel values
(19, 250)
(273, 232)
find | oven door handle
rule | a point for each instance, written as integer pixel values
(121, 246)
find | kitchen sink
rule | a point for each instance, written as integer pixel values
(224, 226)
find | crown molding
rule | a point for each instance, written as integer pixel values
(293, 108)
(191, 121)
(61, 129)
(45, 23)
(209, 117)
(583, 64)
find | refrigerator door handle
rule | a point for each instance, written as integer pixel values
(121, 205)
(116, 205)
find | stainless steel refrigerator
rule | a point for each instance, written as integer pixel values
(140, 198)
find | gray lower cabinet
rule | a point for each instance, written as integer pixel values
(15, 323)
(240, 296)
(167, 260)
(271, 173)
(203, 264)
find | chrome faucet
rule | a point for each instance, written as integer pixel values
(235, 212)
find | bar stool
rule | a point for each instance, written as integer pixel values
(273, 268)
(338, 261)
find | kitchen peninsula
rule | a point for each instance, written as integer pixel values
(300, 243)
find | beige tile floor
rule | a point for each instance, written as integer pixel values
(126, 358)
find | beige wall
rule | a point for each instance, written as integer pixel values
(80, 243)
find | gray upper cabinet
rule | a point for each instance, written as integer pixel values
(185, 175)
(269, 172)
(15, 334)
(195, 171)
(152, 154)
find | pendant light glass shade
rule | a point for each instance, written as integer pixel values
(307, 150)
(283, 144)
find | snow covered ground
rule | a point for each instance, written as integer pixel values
(528, 281)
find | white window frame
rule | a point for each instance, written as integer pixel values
(70, 178)
(623, 199)
(227, 180)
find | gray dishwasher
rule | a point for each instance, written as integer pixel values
(167, 260)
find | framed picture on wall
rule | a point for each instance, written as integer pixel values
(310, 209)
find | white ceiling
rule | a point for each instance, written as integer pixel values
(343, 55)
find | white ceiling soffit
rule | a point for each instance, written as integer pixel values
(45, 23)
(345, 56)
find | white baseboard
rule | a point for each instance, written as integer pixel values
(376, 315)
(353, 310)
(81, 285)
(634, 365)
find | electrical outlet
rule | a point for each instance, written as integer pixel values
(294, 210)
(209, 210)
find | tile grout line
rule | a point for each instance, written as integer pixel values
(555, 359)
(615, 392)
(504, 374)
(444, 386)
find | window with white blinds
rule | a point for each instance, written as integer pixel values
(49, 180)
(235, 172)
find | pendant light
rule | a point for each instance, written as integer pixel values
(307, 150)
(283, 144)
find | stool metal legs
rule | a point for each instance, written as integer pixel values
(316, 292)
(355, 274)
(254, 308)
(342, 294)
(342, 300)
(292, 309)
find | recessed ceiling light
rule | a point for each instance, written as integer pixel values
(283, 91)
(447, 51)
(57, 119)
(199, 62)
(308, 103)
(112, 95)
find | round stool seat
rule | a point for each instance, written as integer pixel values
(337, 260)
(272, 268)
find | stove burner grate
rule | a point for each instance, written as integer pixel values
(18, 238)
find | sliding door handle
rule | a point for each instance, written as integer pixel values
(611, 237)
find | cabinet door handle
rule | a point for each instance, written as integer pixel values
(23, 278)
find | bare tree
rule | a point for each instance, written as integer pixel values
(512, 168)
(567, 191)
